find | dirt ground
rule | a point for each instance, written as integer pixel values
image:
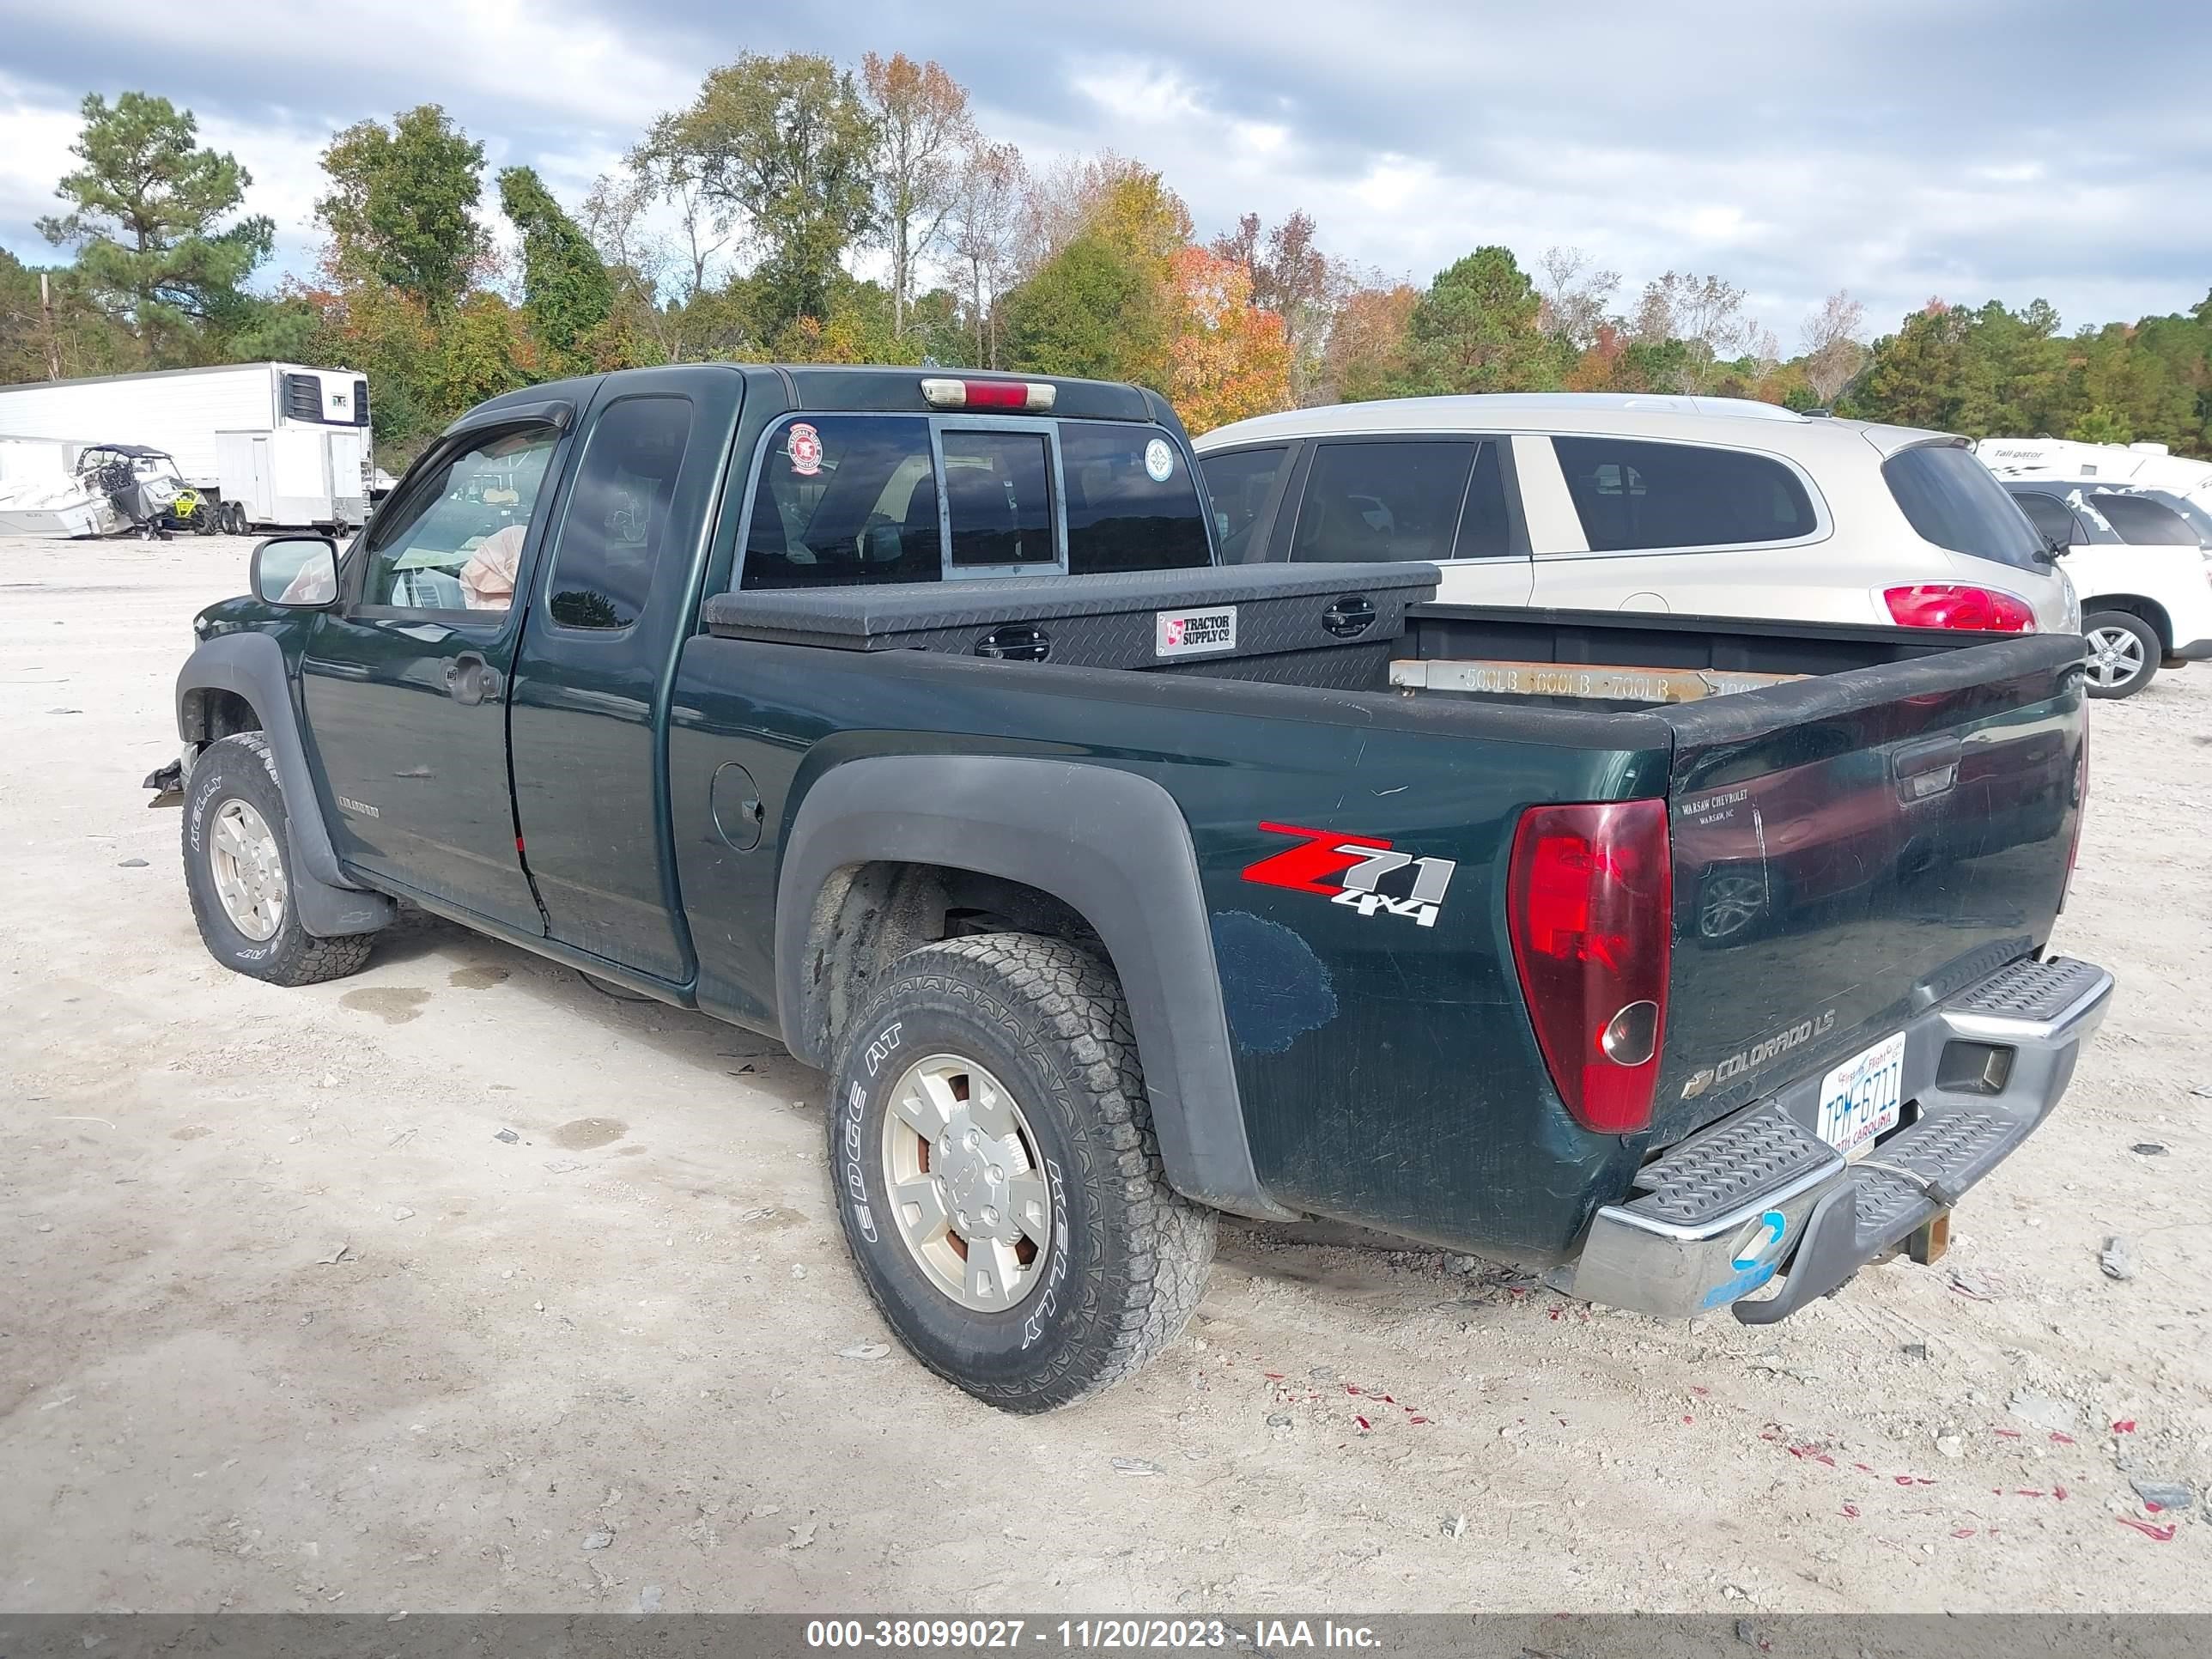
(291, 1322)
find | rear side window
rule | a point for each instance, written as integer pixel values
(1951, 499)
(1485, 531)
(845, 499)
(2143, 522)
(614, 523)
(1239, 484)
(1632, 496)
(1377, 502)
(1132, 503)
(998, 488)
(2049, 515)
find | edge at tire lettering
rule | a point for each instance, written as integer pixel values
(856, 1183)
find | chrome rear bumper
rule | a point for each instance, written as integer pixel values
(1758, 1195)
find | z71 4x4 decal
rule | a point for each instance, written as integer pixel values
(1351, 870)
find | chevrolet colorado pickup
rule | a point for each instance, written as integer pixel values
(911, 718)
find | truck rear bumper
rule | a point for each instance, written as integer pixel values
(1759, 1196)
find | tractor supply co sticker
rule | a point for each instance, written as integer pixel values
(804, 446)
(1159, 461)
(1352, 870)
(1184, 633)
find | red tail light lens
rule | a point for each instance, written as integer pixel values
(1589, 907)
(988, 394)
(1955, 605)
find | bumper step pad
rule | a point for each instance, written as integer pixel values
(2034, 991)
(1717, 1172)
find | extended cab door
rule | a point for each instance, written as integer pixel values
(406, 687)
(605, 620)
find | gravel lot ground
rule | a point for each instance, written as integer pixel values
(286, 1326)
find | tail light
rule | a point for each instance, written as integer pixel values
(2080, 811)
(1955, 605)
(1589, 909)
(988, 394)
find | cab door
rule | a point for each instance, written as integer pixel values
(405, 688)
(599, 641)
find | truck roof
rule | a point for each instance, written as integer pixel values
(870, 388)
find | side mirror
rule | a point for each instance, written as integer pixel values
(295, 570)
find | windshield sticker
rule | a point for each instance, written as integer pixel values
(1350, 870)
(1159, 461)
(804, 446)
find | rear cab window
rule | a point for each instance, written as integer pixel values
(1951, 499)
(841, 500)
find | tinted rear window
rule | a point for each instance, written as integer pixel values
(1239, 484)
(999, 487)
(2049, 515)
(1132, 503)
(1951, 499)
(1632, 496)
(2144, 522)
(845, 499)
(1382, 501)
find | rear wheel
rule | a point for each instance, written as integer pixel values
(998, 1177)
(2123, 652)
(238, 870)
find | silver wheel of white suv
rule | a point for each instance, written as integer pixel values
(2122, 653)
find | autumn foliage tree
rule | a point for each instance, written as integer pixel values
(1230, 359)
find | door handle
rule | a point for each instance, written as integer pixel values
(470, 679)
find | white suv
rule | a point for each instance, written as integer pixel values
(1707, 506)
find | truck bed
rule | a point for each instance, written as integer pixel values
(1859, 817)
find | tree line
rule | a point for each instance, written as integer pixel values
(734, 229)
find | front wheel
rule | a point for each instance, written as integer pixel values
(2123, 652)
(238, 869)
(997, 1174)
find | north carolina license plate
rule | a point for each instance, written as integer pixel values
(1862, 1097)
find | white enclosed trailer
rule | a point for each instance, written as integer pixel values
(278, 444)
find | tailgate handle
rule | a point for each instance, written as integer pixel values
(1350, 617)
(1015, 642)
(1927, 768)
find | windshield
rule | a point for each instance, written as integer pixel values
(1951, 499)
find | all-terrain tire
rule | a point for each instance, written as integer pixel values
(1128, 1256)
(240, 767)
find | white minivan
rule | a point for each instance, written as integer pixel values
(1603, 501)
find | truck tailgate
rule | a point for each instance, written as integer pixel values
(1852, 849)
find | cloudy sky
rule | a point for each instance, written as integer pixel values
(1970, 149)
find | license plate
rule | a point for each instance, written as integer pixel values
(1862, 1097)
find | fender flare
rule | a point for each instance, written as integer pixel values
(252, 667)
(1111, 845)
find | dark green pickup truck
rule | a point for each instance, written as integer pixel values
(909, 717)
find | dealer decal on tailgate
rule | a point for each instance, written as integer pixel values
(1351, 870)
